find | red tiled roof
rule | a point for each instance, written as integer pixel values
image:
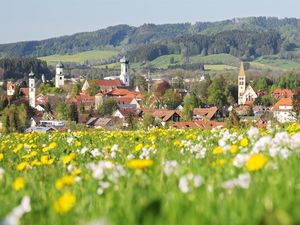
(11, 86)
(123, 100)
(125, 93)
(283, 102)
(163, 114)
(208, 113)
(25, 91)
(287, 93)
(109, 83)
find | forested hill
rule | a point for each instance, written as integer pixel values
(246, 37)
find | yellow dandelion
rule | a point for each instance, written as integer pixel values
(64, 181)
(18, 148)
(138, 147)
(256, 162)
(19, 183)
(1, 156)
(22, 166)
(244, 142)
(218, 150)
(140, 163)
(52, 145)
(234, 149)
(76, 172)
(65, 203)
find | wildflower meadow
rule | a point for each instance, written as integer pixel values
(157, 177)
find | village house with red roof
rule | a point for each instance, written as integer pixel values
(282, 93)
(283, 110)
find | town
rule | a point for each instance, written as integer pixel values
(116, 103)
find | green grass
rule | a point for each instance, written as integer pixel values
(272, 63)
(80, 57)
(213, 62)
(151, 195)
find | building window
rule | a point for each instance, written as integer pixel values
(60, 78)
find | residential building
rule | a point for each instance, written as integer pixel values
(283, 110)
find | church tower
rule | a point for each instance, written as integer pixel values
(32, 90)
(59, 76)
(241, 84)
(124, 76)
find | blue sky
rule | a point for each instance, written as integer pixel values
(40, 19)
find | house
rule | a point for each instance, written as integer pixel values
(197, 124)
(86, 101)
(10, 88)
(211, 113)
(124, 113)
(125, 93)
(40, 129)
(104, 85)
(52, 123)
(99, 122)
(260, 110)
(124, 102)
(283, 110)
(245, 94)
(163, 115)
(282, 93)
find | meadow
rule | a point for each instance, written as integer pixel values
(80, 58)
(158, 176)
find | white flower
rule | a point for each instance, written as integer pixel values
(189, 182)
(70, 139)
(83, 150)
(242, 181)
(2, 171)
(262, 144)
(240, 160)
(253, 133)
(170, 167)
(95, 152)
(15, 215)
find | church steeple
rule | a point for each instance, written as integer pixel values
(241, 84)
(242, 70)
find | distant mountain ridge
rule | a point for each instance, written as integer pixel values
(282, 32)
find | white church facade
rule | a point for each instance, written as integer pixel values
(245, 94)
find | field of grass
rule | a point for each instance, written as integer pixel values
(151, 177)
(265, 63)
(213, 62)
(80, 57)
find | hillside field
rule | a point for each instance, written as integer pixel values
(80, 58)
(159, 176)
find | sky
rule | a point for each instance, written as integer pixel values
(23, 20)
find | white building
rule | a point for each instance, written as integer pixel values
(31, 90)
(244, 94)
(59, 75)
(10, 88)
(283, 111)
(124, 76)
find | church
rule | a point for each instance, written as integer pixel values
(246, 95)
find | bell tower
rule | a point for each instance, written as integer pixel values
(124, 76)
(241, 84)
(59, 76)
(31, 90)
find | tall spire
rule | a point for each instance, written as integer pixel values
(242, 70)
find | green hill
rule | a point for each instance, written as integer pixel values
(80, 58)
